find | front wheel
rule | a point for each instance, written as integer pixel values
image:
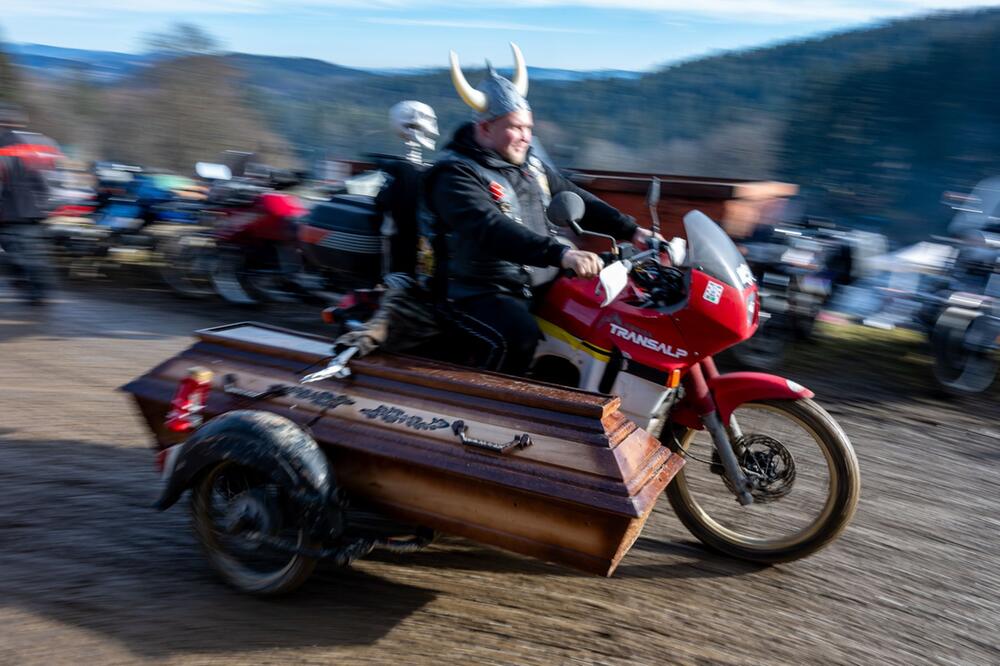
(188, 262)
(235, 510)
(232, 280)
(805, 474)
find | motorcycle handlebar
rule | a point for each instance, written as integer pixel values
(607, 257)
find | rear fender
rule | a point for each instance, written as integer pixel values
(733, 389)
(258, 439)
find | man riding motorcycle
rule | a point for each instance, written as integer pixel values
(486, 200)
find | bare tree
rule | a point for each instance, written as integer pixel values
(182, 39)
(9, 80)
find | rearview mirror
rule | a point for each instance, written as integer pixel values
(613, 279)
(566, 210)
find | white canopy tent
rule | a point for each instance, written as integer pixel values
(922, 257)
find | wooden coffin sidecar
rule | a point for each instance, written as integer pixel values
(554, 473)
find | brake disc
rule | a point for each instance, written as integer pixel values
(769, 466)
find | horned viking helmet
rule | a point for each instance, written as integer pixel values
(496, 96)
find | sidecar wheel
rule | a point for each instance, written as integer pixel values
(231, 505)
(807, 492)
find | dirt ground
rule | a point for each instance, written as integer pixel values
(90, 574)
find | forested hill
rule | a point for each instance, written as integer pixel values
(887, 135)
(873, 123)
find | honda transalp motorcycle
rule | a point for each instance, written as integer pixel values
(770, 475)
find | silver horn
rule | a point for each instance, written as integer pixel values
(469, 95)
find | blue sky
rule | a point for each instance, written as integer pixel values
(592, 34)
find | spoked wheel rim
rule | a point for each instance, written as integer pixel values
(804, 504)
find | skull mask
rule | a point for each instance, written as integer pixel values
(415, 122)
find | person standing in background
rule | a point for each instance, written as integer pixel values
(23, 197)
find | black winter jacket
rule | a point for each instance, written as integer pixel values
(487, 251)
(23, 192)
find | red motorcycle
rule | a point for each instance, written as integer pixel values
(249, 254)
(384, 452)
(770, 475)
(267, 246)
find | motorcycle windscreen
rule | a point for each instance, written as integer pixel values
(714, 253)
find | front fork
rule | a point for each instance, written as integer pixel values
(724, 436)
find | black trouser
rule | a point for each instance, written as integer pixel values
(26, 257)
(495, 332)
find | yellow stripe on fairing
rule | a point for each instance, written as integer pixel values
(554, 331)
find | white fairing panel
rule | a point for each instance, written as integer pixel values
(591, 369)
(641, 399)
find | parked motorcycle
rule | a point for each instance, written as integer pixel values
(957, 306)
(965, 342)
(797, 269)
(129, 224)
(248, 254)
(265, 246)
(965, 333)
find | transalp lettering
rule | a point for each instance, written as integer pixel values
(648, 343)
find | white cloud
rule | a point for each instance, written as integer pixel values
(745, 10)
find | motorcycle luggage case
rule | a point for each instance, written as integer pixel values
(578, 495)
(343, 235)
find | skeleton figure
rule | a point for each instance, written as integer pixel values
(416, 124)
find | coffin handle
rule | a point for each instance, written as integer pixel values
(521, 441)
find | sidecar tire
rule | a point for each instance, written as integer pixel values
(282, 581)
